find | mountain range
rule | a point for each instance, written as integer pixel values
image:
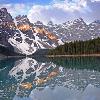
(23, 37)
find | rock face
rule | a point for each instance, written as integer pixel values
(26, 37)
(29, 38)
(75, 30)
(7, 26)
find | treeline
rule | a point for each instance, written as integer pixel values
(77, 47)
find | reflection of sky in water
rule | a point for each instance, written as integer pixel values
(62, 93)
(47, 81)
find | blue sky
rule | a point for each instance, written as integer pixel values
(58, 11)
(43, 2)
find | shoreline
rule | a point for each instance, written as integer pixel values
(51, 56)
(81, 55)
(6, 57)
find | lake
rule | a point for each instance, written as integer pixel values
(72, 78)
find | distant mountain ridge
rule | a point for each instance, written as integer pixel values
(26, 37)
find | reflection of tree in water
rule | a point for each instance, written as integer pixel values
(91, 63)
(28, 74)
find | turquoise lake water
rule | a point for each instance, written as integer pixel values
(72, 78)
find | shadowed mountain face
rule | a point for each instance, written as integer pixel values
(8, 51)
(26, 78)
(7, 26)
(26, 37)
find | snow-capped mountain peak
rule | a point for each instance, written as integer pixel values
(27, 37)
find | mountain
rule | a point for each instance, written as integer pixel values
(26, 38)
(94, 29)
(29, 38)
(7, 26)
(75, 30)
(7, 30)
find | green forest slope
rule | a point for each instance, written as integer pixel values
(77, 48)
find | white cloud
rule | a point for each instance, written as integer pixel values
(70, 5)
(15, 9)
(95, 0)
(58, 11)
(39, 12)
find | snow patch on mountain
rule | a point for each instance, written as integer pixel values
(21, 45)
(28, 45)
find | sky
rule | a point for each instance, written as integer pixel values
(58, 11)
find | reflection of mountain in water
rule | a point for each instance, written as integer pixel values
(28, 75)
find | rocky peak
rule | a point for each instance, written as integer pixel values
(6, 20)
(3, 10)
(79, 21)
(23, 23)
(7, 26)
(97, 21)
(22, 19)
(50, 24)
(39, 24)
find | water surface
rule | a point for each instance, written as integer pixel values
(73, 78)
